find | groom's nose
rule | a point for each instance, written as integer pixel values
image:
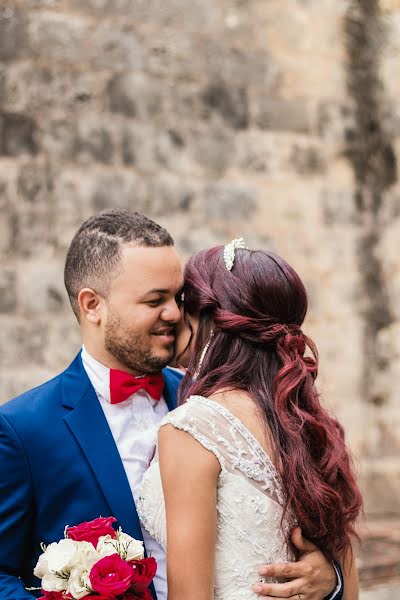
(171, 312)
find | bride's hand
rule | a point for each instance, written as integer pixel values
(312, 577)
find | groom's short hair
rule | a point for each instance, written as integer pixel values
(95, 251)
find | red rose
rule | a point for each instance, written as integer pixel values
(143, 573)
(111, 575)
(54, 596)
(91, 531)
(145, 595)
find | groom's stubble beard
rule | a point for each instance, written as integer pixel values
(130, 348)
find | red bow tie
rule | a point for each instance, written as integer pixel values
(123, 385)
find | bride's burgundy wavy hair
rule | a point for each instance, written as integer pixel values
(256, 311)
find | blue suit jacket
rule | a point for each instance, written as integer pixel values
(59, 466)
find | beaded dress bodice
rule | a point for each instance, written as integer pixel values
(249, 498)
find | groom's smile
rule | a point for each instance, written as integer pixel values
(165, 334)
(141, 310)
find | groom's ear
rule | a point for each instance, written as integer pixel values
(90, 305)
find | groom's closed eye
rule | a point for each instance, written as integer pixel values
(154, 302)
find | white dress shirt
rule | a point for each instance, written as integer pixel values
(134, 425)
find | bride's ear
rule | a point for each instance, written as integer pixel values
(90, 306)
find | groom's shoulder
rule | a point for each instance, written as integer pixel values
(37, 395)
(43, 396)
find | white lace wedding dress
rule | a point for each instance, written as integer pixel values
(249, 498)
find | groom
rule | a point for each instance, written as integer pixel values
(76, 447)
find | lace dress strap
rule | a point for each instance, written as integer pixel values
(223, 434)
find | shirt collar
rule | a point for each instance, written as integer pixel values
(99, 376)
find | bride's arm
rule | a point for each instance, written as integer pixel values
(189, 476)
(350, 574)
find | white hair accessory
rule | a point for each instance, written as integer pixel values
(230, 249)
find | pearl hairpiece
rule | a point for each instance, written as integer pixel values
(230, 249)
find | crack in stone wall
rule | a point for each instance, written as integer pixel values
(370, 152)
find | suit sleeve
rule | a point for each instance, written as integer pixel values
(15, 513)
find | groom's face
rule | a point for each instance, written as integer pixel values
(142, 308)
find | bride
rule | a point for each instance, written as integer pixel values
(250, 453)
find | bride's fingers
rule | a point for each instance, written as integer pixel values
(278, 590)
(288, 570)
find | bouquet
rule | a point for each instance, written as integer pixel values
(96, 561)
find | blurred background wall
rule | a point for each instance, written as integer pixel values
(278, 120)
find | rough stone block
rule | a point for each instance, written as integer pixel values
(35, 182)
(36, 88)
(42, 288)
(266, 152)
(337, 205)
(308, 159)
(134, 95)
(31, 233)
(18, 134)
(60, 36)
(8, 186)
(93, 142)
(335, 121)
(119, 190)
(231, 103)
(19, 378)
(188, 243)
(228, 201)
(22, 342)
(281, 115)
(148, 148)
(196, 14)
(7, 233)
(173, 56)
(168, 194)
(73, 190)
(8, 289)
(379, 476)
(212, 147)
(64, 342)
(238, 64)
(137, 145)
(115, 46)
(59, 138)
(13, 38)
(85, 140)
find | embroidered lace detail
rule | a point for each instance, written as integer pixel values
(190, 426)
(221, 432)
(250, 528)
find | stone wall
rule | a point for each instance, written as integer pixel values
(278, 121)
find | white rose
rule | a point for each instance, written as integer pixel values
(125, 545)
(132, 549)
(106, 546)
(62, 556)
(79, 583)
(86, 555)
(52, 583)
(58, 556)
(41, 566)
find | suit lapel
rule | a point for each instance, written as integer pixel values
(171, 380)
(90, 429)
